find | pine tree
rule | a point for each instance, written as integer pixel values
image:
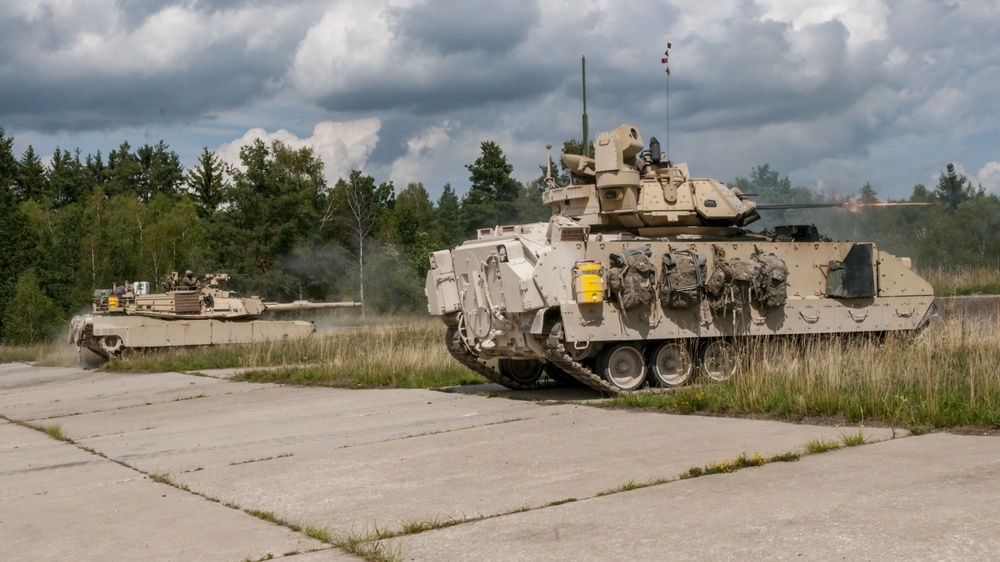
(448, 216)
(952, 189)
(207, 183)
(30, 182)
(868, 194)
(491, 174)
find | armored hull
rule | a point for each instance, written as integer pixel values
(647, 277)
(109, 336)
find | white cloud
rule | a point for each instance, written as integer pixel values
(342, 146)
(430, 149)
(989, 177)
(865, 20)
(351, 39)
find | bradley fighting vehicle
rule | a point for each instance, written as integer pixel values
(129, 317)
(644, 274)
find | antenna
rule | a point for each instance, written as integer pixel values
(550, 182)
(586, 135)
(665, 60)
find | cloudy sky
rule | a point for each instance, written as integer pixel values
(831, 93)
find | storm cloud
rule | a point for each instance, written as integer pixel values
(834, 94)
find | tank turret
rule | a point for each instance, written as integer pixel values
(628, 188)
(206, 301)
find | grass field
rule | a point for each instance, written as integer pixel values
(950, 282)
(948, 377)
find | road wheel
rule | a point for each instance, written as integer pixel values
(524, 371)
(717, 360)
(623, 366)
(112, 345)
(671, 364)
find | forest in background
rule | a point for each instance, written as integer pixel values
(81, 222)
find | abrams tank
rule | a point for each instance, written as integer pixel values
(129, 317)
(645, 275)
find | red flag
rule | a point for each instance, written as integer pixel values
(666, 57)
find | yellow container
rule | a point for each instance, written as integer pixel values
(112, 303)
(588, 282)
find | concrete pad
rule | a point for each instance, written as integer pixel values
(60, 502)
(571, 393)
(44, 392)
(36, 464)
(350, 459)
(931, 497)
(573, 452)
(217, 431)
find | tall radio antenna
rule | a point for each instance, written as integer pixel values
(586, 135)
(666, 63)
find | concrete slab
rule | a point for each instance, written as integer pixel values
(559, 394)
(352, 459)
(60, 502)
(220, 430)
(935, 497)
(44, 392)
(572, 452)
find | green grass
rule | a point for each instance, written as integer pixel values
(55, 431)
(729, 466)
(367, 545)
(268, 516)
(853, 439)
(561, 502)
(817, 445)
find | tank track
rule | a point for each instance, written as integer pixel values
(461, 353)
(582, 374)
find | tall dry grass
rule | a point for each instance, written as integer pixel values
(407, 354)
(946, 377)
(49, 354)
(959, 281)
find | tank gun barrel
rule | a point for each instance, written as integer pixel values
(307, 305)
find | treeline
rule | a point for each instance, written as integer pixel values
(78, 223)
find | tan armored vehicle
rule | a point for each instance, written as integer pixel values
(644, 275)
(129, 317)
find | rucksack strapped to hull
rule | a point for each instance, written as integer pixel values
(770, 281)
(632, 278)
(762, 281)
(683, 278)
